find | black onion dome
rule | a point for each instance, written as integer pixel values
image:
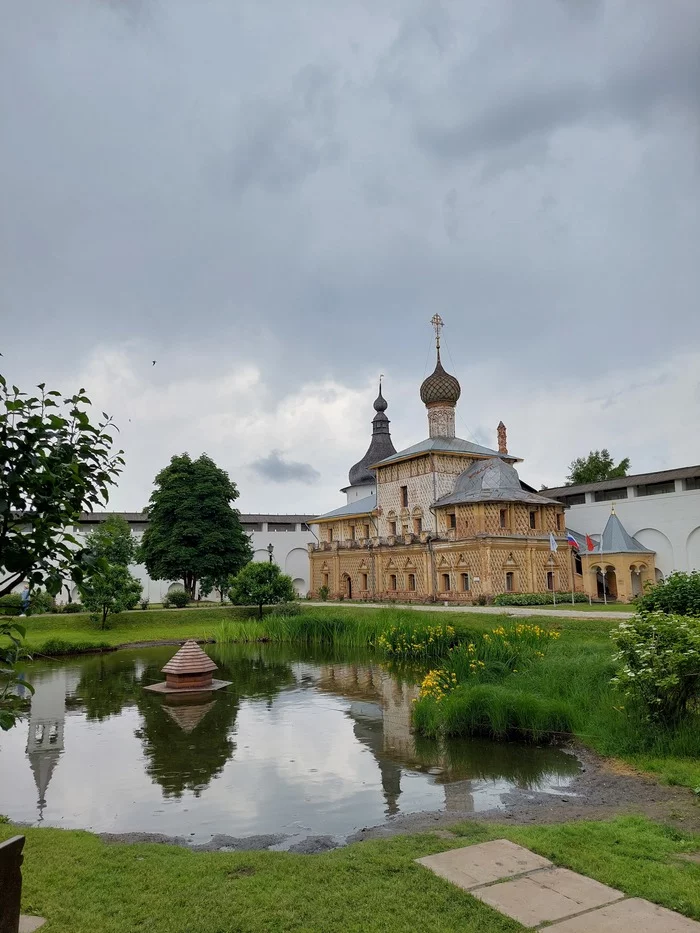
(440, 387)
(380, 447)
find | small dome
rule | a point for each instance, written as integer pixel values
(487, 476)
(440, 388)
(380, 403)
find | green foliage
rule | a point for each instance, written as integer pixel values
(11, 604)
(287, 609)
(323, 593)
(261, 584)
(40, 602)
(594, 468)
(54, 464)
(219, 585)
(58, 647)
(112, 590)
(72, 608)
(535, 599)
(406, 641)
(177, 599)
(113, 541)
(193, 531)
(144, 604)
(11, 652)
(679, 593)
(659, 658)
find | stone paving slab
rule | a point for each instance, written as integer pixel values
(473, 866)
(635, 914)
(28, 924)
(550, 894)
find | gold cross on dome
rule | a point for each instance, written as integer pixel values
(438, 324)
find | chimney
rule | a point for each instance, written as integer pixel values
(502, 443)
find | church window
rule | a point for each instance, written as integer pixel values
(366, 530)
(452, 520)
(404, 497)
(324, 579)
(412, 582)
(466, 586)
(417, 525)
(558, 521)
(405, 529)
(446, 583)
(392, 581)
(503, 517)
(352, 532)
(510, 581)
(533, 518)
(578, 564)
(363, 578)
(392, 528)
(550, 579)
(330, 534)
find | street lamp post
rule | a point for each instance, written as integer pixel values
(270, 549)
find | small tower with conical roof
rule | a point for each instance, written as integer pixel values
(440, 393)
(362, 479)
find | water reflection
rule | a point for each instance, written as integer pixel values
(302, 741)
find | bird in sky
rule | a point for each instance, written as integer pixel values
(154, 362)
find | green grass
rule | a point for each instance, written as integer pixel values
(82, 885)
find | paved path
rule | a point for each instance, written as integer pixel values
(540, 611)
(528, 888)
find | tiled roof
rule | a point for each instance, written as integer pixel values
(358, 507)
(190, 659)
(491, 480)
(637, 479)
(615, 539)
(245, 517)
(450, 445)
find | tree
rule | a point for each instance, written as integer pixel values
(594, 468)
(192, 529)
(208, 583)
(54, 464)
(112, 589)
(113, 541)
(262, 584)
(11, 652)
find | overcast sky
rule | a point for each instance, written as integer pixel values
(271, 200)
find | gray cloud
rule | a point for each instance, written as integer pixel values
(275, 468)
(300, 187)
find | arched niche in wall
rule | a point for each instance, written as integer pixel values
(693, 549)
(262, 555)
(657, 541)
(296, 563)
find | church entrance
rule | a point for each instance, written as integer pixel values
(348, 586)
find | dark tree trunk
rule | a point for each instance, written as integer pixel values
(260, 609)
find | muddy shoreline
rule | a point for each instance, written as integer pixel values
(604, 789)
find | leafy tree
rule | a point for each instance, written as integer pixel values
(679, 593)
(221, 585)
(262, 584)
(192, 529)
(11, 652)
(113, 589)
(113, 541)
(54, 464)
(594, 468)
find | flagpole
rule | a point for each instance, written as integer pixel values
(573, 573)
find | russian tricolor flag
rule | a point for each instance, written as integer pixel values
(572, 541)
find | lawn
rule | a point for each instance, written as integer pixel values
(82, 885)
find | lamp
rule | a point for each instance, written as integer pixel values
(270, 549)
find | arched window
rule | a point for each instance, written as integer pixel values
(392, 581)
(550, 580)
(510, 581)
(412, 582)
(466, 585)
(363, 580)
(446, 587)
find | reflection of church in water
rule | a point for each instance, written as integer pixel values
(46, 736)
(380, 706)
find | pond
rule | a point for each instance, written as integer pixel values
(303, 742)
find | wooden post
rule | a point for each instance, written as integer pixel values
(10, 883)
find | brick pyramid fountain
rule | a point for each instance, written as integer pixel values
(190, 671)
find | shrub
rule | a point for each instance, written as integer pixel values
(659, 658)
(679, 594)
(72, 607)
(10, 604)
(40, 602)
(324, 593)
(144, 604)
(286, 609)
(177, 598)
(261, 584)
(535, 599)
(56, 647)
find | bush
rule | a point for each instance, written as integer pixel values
(535, 599)
(286, 609)
(177, 598)
(72, 607)
(407, 642)
(56, 647)
(144, 604)
(324, 593)
(10, 604)
(41, 602)
(679, 594)
(659, 658)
